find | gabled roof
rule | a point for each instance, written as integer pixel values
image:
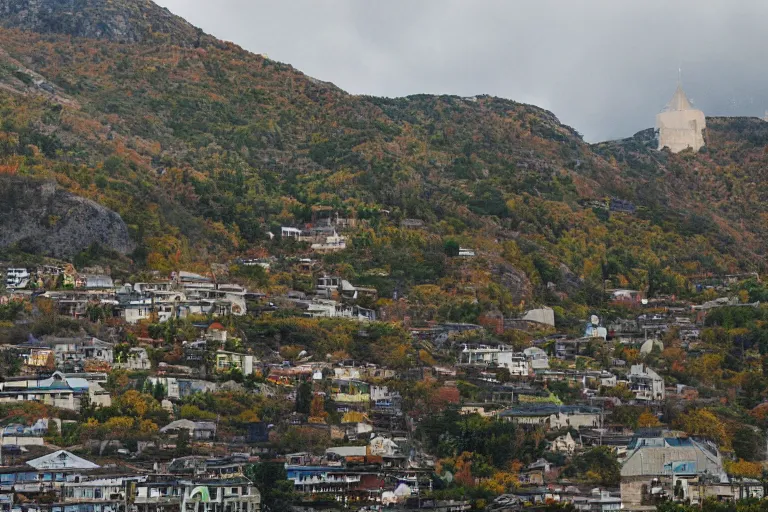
(61, 459)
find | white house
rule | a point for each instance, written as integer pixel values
(646, 383)
(57, 390)
(501, 357)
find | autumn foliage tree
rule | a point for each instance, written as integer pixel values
(704, 423)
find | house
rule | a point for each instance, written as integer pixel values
(198, 430)
(197, 494)
(177, 388)
(95, 282)
(39, 360)
(45, 474)
(599, 501)
(383, 447)
(23, 435)
(58, 390)
(289, 232)
(564, 444)
(17, 278)
(334, 481)
(533, 474)
(537, 358)
(73, 353)
(554, 417)
(94, 495)
(137, 359)
(500, 357)
(216, 332)
(659, 464)
(227, 361)
(320, 308)
(627, 297)
(646, 383)
(351, 391)
(332, 243)
(569, 349)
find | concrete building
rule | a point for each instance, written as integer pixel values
(198, 430)
(680, 126)
(500, 357)
(564, 444)
(554, 417)
(17, 278)
(659, 465)
(645, 383)
(226, 361)
(537, 358)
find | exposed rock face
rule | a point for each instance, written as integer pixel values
(570, 282)
(122, 21)
(45, 219)
(515, 281)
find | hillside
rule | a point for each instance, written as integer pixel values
(124, 22)
(202, 148)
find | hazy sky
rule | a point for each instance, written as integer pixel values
(605, 67)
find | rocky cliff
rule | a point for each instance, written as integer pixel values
(45, 219)
(129, 21)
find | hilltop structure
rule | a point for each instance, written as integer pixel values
(680, 126)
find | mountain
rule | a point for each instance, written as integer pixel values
(203, 147)
(135, 21)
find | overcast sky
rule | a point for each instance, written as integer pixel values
(605, 67)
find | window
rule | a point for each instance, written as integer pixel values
(235, 490)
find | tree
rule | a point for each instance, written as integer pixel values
(451, 248)
(317, 409)
(158, 391)
(744, 469)
(303, 397)
(704, 423)
(648, 419)
(599, 465)
(749, 443)
(277, 492)
(182, 444)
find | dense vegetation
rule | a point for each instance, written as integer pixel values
(204, 148)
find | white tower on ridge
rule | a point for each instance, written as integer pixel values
(680, 125)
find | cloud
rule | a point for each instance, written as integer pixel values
(604, 67)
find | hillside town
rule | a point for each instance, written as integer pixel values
(164, 395)
(229, 286)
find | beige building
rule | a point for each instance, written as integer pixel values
(680, 126)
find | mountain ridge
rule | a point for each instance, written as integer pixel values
(204, 150)
(126, 21)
